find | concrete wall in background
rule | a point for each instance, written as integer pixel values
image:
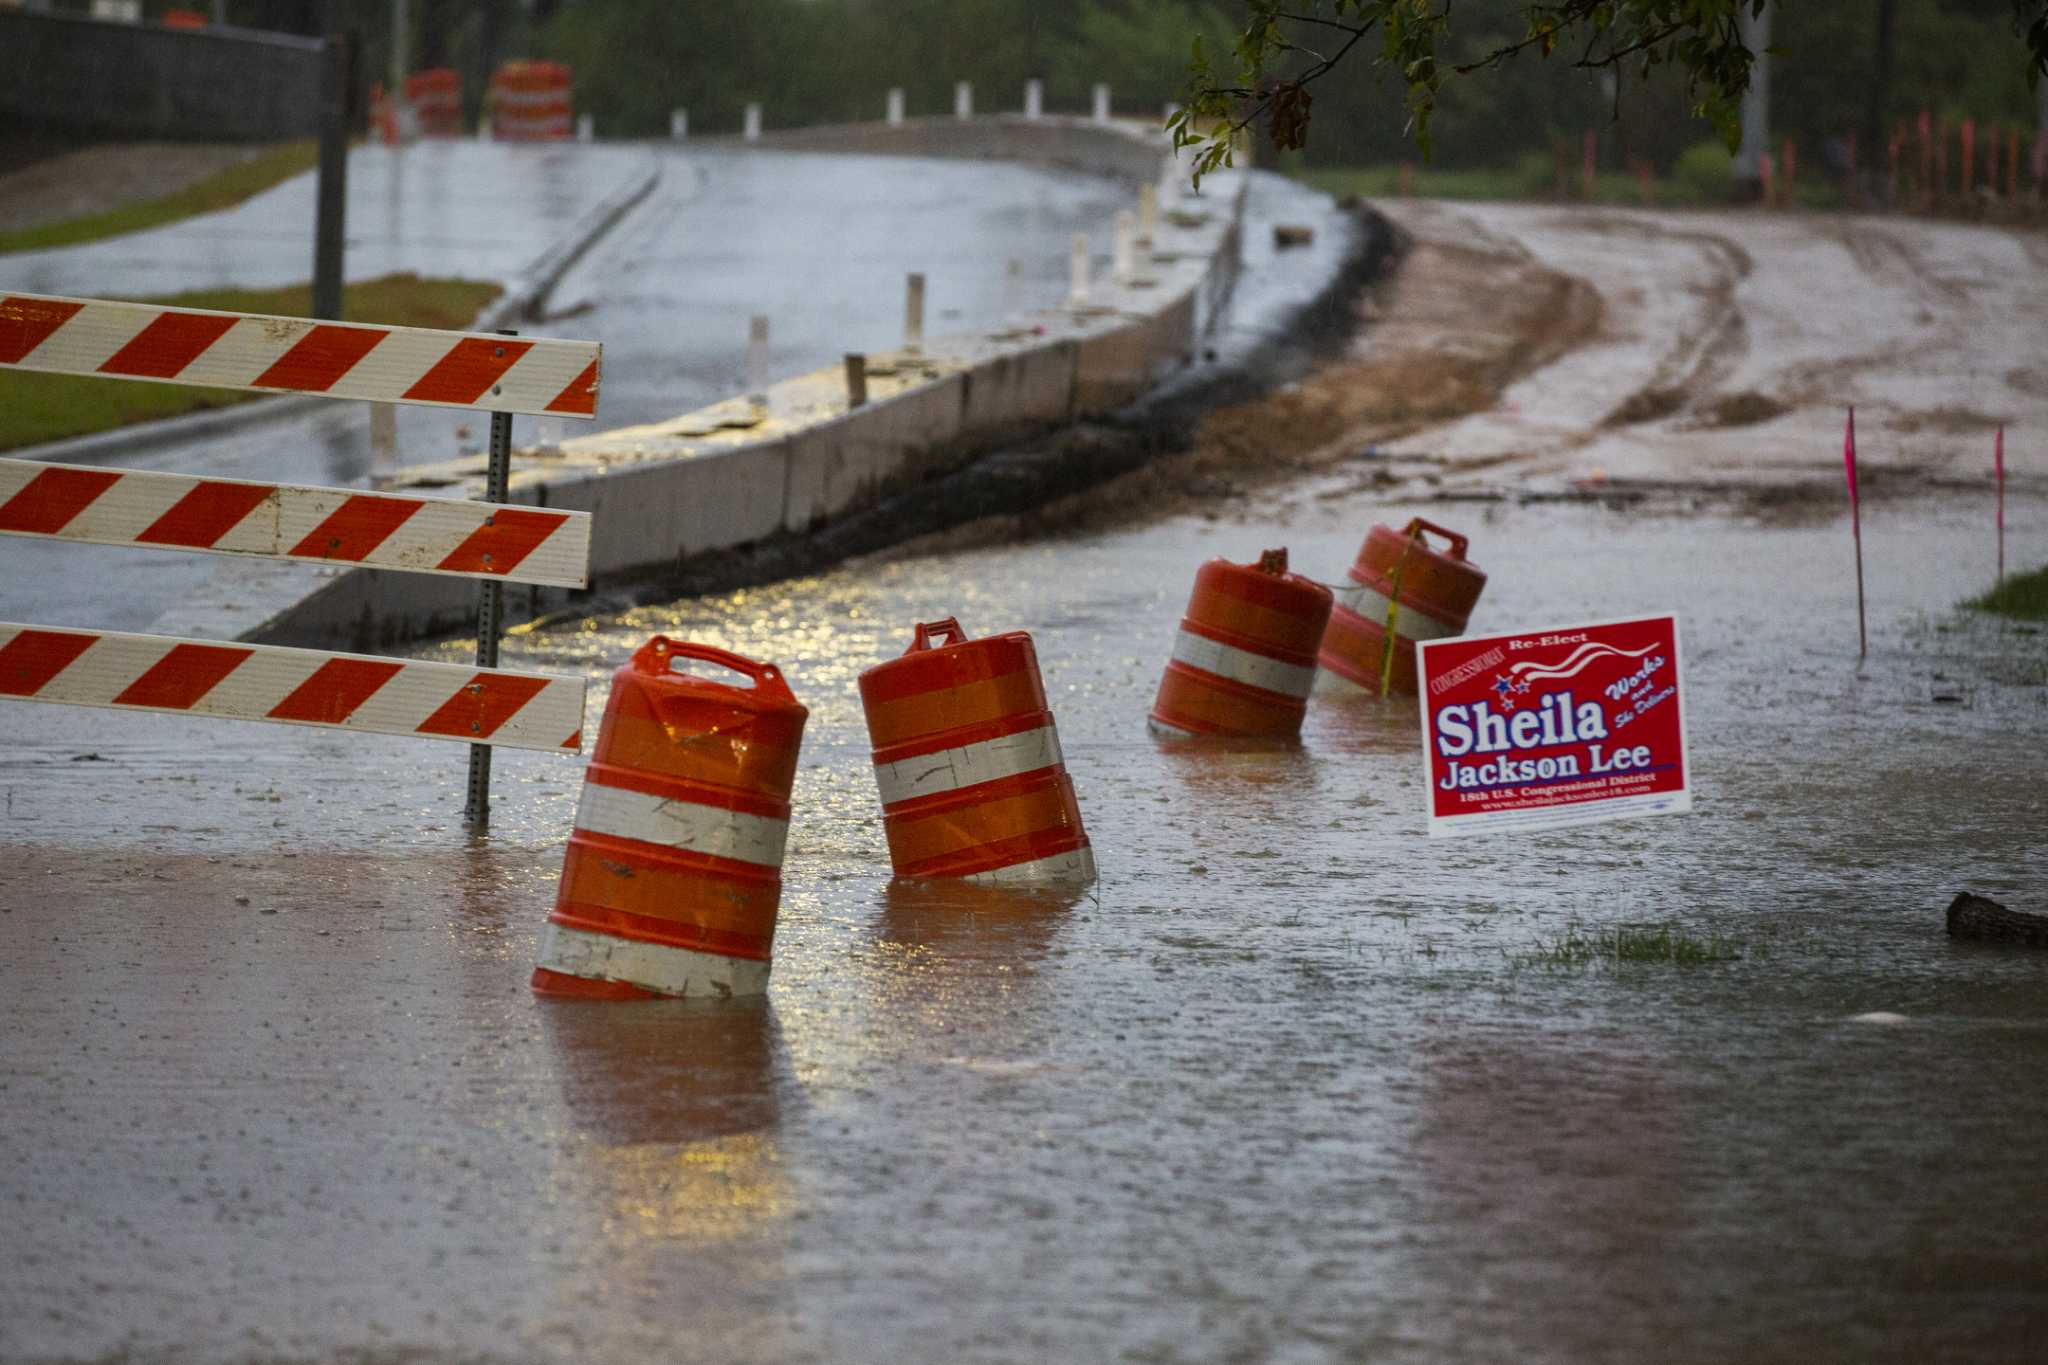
(66, 75)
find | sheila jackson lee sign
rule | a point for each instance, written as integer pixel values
(1554, 727)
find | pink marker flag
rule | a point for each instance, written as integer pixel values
(1856, 522)
(1849, 461)
(1998, 463)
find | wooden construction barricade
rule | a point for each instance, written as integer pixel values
(489, 541)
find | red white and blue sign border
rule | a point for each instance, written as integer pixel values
(1567, 808)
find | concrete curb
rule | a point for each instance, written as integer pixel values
(734, 475)
(524, 294)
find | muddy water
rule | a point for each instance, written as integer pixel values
(1292, 1083)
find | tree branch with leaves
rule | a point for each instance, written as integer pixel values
(1285, 46)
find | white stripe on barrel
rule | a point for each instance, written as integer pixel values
(710, 830)
(654, 966)
(1409, 623)
(988, 760)
(1071, 868)
(1243, 666)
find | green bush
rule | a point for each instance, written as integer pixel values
(1705, 173)
(1536, 173)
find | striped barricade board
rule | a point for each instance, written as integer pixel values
(287, 521)
(292, 686)
(297, 355)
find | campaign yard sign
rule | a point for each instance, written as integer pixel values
(1554, 727)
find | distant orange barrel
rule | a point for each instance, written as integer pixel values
(1245, 658)
(968, 761)
(1429, 593)
(673, 875)
(436, 99)
(531, 102)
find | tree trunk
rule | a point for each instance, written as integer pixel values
(1975, 917)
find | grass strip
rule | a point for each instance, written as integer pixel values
(2024, 597)
(1425, 182)
(37, 407)
(222, 190)
(1634, 943)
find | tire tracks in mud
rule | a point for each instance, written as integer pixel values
(1887, 262)
(1700, 357)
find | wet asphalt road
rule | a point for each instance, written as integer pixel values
(819, 244)
(1292, 1083)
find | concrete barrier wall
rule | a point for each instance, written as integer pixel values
(739, 473)
(66, 74)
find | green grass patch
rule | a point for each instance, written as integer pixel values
(1530, 182)
(1649, 943)
(221, 190)
(36, 407)
(2024, 597)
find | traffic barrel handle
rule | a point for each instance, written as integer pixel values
(1416, 525)
(947, 631)
(657, 656)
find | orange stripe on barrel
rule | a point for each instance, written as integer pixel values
(685, 904)
(930, 837)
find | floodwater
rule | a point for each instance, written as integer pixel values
(1294, 1082)
(821, 245)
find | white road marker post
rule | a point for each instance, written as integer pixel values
(383, 444)
(1124, 249)
(586, 128)
(1101, 110)
(1148, 213)
(757, 360)
(1077, 271)
(895, 114)
(1034, 98)
(679, 124)
(1013, 288)
(963, 100)
(913, 312)
(752, 128)
(856, 379)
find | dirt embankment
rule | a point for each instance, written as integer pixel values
(1442, 334)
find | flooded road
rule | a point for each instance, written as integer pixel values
(1293, 1082)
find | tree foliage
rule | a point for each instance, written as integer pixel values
(1282, 47)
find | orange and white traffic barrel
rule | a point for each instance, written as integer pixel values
(1245, 659)
(968, 761)
(673, 875)
(436, 99)
(1425, 593)
(383, 115)
(531, 102)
